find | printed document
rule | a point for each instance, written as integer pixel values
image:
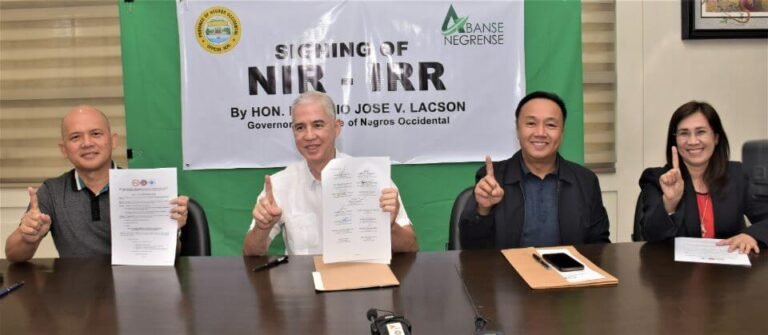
(706, 250)
(355, 228)
(143, 232)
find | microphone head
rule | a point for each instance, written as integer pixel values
(480, 323)
(372, 314)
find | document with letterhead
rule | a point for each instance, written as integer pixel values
(355, 228)
(706, 250)
(143, 232)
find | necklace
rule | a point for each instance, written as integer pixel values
(702, 217)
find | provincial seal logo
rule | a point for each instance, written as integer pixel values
(218, 30)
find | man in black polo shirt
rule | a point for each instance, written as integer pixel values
(75, 205)
(535, 198)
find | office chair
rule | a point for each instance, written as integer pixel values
(637, 230)
(454, 242)
(754, 155)
(195, 239)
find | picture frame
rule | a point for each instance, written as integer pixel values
(708, 19)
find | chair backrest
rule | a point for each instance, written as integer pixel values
(195, 238)
(637, 230)
(454, 242)
(754, 156)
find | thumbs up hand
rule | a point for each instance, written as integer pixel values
(672, 184)
(34, 224)
(267, 212)
(488, 192)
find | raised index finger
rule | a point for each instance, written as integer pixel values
(675, 159)
(489, 166)
(33, 198)
(268, 189)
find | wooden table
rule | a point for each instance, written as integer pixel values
(220, 295)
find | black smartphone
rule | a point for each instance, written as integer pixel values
(563, 262)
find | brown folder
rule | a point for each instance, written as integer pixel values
(539, 277)
(352, 275)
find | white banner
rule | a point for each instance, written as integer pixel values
(420, 82)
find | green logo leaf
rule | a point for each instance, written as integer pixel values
(458, 22)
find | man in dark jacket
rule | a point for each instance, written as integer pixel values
(535, 198)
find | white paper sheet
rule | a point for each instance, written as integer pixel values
(317, 279)
(572, 276)
(706, 250)
(143, 232)
(355, 228)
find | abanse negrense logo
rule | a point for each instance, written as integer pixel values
(460, 31)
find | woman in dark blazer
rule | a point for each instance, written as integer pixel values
(705, 196)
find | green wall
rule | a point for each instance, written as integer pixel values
(150, 51)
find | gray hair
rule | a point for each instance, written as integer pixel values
(317, 97)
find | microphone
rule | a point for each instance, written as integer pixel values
(480, 321)
(372, 314)
(388, 323)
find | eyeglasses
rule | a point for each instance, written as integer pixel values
(685, 134)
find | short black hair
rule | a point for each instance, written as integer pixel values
(541, 95)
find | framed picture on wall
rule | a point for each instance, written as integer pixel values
(724, 19)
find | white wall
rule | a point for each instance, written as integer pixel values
(657, 72)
